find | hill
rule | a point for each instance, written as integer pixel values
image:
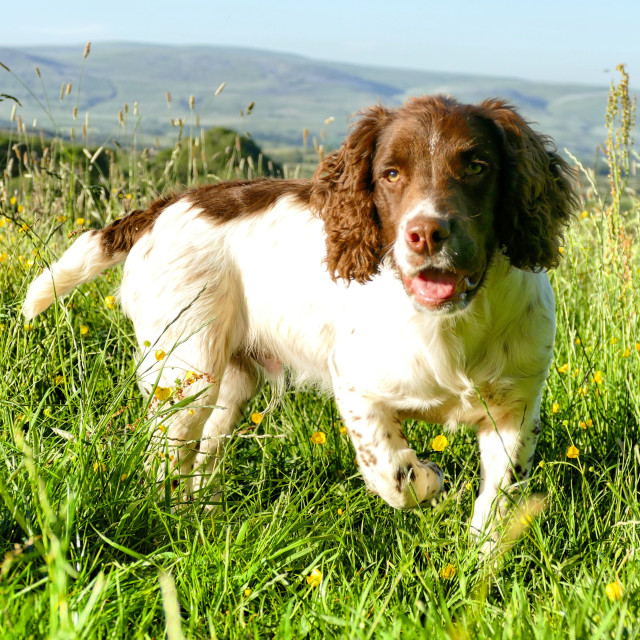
(290, 93)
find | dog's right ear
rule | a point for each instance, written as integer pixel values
(342, 195)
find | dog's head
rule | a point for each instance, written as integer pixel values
(441, 187)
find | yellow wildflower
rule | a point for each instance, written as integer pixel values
(190, 412)
(597, 377)
(340, 512)
(12, 200)
(564, 368)
(4, 220)
(97, 466)
(638, 346)
(314, 578)
(79, 221)
(561, 249)
(257, 417)
(343, 430)
(573, 452)
(447, 572)
(123, 477)
(582, 391)
(162, 393)
(555, 407)
(61, 218)
(28, 326)
(626, 353)
(3, 256)
(614, 340)
(542, 464)
(84, 329)
(160, 354)
(578, 341)
(614, 590)
(584, 214)
(439, 443)
(20, 208)
(110, 301)
(247, 592)
(319, 437)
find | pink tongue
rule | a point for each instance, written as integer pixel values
(434, 285)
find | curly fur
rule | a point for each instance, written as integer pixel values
(343, 195)
(538, 200)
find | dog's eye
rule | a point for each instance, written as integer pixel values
(475, 168)
(392, 175)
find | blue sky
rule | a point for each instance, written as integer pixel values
(557, 40)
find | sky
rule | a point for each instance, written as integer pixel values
(565, 41)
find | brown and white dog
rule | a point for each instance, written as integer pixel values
(406, 278)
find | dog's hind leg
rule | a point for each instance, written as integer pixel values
(240, 382)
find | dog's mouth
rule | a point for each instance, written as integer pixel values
(438, 289)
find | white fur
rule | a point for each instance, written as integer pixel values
(228, 299)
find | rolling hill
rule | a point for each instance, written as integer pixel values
(289, 93)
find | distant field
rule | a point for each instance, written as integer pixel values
(297, 548)
(290, 93)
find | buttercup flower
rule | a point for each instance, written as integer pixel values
(319, 437)
(573, 452)
(555, 407)
(446, 573)
(439, 443)
(84, 329)
(162, 393)
(564, 368)
(257, 417)
(597, 377)
(314, 578)
(110, 301)
(614, 590)
(160, 354)
(79, 221)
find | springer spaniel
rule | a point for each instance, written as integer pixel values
(406, 278)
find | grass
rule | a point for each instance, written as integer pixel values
(298, 548)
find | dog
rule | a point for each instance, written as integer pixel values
(407, 279)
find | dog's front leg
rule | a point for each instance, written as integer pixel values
(507, 448)
(388, 465)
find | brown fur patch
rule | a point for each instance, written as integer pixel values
(227, 201)
(223, 202)
(124, 232)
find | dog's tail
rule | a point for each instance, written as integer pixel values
(87, 257)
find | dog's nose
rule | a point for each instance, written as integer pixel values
(427, 235)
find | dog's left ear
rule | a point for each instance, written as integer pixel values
(538, 199)
(342, 195)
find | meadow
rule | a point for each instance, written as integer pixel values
(297, 548)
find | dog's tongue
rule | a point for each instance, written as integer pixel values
(433, 286)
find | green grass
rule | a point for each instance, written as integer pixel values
(93, 549)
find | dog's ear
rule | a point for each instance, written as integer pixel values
(537, 199)
(342, 195)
